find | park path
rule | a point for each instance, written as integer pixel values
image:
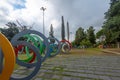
(78, 66)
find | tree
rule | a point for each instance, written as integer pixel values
(10, 31)
(100, 33)
(113, 9)
(85, 42)
(79, 36)
(91, 35)
(113, 2)
(112, 23)
(23, 27)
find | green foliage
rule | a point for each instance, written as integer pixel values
(73, 43)
(112, 24)
(85, 42)
(114, 9)
(91, 35)
(99, 33)
(80, 35)
(83, 38)
(10, 31)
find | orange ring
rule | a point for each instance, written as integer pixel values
(9, 58)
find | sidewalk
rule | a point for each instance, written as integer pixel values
(77, 67)
(113, 51)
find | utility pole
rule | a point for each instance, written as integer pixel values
(43, 9)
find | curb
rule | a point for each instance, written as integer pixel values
(106, 51)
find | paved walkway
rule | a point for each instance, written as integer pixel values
(78, 67)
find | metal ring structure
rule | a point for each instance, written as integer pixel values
(30, 59)
(52, 46)
(45, 40)
(39, 59)
(66, 43)
(41, 48)
(37, 65)
(35, 40)
(9, 54)
(9, 58)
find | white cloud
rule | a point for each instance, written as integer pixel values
(77, 12)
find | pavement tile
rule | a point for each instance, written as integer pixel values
(93, 76)
(77, 68)
(115, 78)
(105, 77)
(38, 79)
(75, 78)
(18, 75)
(99, 73)
(66, 78)
(56, 77)
(82, 75)
(20, 72)
(89, 71)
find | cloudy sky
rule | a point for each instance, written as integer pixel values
(79, 13)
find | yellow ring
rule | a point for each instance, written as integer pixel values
(9, 58)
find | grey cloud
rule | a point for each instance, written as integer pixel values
(81, 13)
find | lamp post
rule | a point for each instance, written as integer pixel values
(43, 9)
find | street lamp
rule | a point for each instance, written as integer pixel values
(43, 9)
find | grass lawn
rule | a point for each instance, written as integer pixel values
(87, 52)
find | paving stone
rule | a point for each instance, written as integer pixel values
(20, 72)
(18, 75)
(56, 77)
(90, 68)
(66, 78)
(115, 78)
(99, 73)
(86, 67)
(82, 75)
(93, 76)
(40, 74)
(73, 74)
(88, 71)
(15, 75)
(38, 79)
(81, 70)
(114, 74)
(105, 77)
(75, 78)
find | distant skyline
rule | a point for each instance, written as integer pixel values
(79, 13)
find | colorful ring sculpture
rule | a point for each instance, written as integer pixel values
(54, 47)
(9, 58)
(36, 65)
(18, 40)
(34, 40)
(27, 32)
(66, 46)
(25, 42)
